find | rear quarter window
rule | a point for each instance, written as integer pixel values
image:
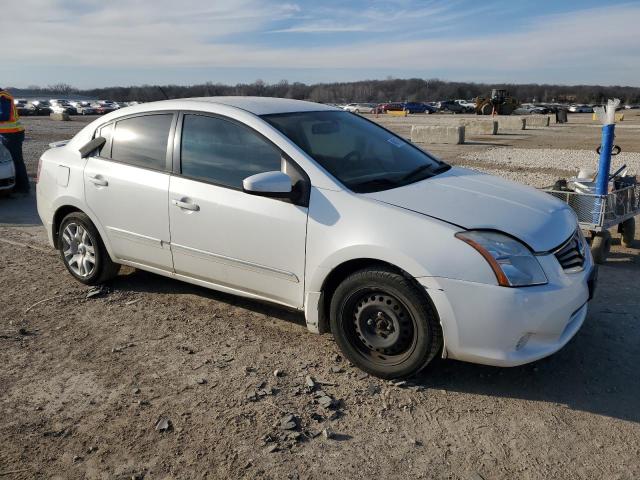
(106, 132)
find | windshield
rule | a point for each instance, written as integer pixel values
(360, 154)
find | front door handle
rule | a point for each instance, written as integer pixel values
(186, 205)
(98, 180)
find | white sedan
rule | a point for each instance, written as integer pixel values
(360, 107)
(397, 254)
(580, 109)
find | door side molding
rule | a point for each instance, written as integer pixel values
(234, 262)
(136, 237)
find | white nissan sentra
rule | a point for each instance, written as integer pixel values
(397, 254)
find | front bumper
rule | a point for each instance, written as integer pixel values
(506, 327)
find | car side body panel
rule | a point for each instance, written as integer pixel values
(131, 203)
(243, 241)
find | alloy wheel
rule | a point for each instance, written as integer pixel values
(78, 250)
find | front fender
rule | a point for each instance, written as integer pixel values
(344, 226)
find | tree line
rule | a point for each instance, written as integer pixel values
(377, 91)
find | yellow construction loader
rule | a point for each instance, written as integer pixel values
(499, 103)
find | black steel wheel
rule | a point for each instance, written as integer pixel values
(384, 324)
(383, 330)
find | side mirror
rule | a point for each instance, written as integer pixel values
(273, 184)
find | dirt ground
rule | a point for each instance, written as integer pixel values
(85, 382)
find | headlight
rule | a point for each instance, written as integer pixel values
(512, 262)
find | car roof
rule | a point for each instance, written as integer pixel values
(263, 105)
(246, 105)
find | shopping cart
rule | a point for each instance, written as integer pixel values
(598, 213)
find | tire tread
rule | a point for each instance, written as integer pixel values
(419, 299)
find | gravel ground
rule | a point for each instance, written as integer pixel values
(157, 379)
(541, 167)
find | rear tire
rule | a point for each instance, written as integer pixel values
(83, 252)
(384, 324)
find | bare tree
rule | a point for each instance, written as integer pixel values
(388, 90)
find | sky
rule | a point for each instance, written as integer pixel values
(98, 43)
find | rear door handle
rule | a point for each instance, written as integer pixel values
(186, 205)
(98, 180)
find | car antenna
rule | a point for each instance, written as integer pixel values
(163, 92)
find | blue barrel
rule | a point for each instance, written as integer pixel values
(604, 165)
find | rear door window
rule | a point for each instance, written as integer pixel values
(142, 141)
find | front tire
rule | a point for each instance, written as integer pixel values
(384, 324)
(83, 252)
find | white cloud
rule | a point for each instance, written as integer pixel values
(165, 34)
(322, 28)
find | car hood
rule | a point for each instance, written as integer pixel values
(474, 200)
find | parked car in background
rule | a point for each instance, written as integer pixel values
(62, 106)
(109, 104)
(450, 106)
(528, 109)
(409, 107)
(85, 108)
(7, 171)
(416, 107)
(390, 107)
(102, 108)
(397, 254)
(430, 108)
(360, 107)
(23, 107)
(632, 106)
(41, 107)
(580, 109)
(548, 108)
(469, 107)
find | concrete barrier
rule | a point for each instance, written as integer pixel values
(64, 116)
(537, 121)
(437, 134)
(619, 117)
(506, 122)
(478, 126)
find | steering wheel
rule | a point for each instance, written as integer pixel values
(353, 155)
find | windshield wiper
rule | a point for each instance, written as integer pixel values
(427, 166)
(385, 183)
